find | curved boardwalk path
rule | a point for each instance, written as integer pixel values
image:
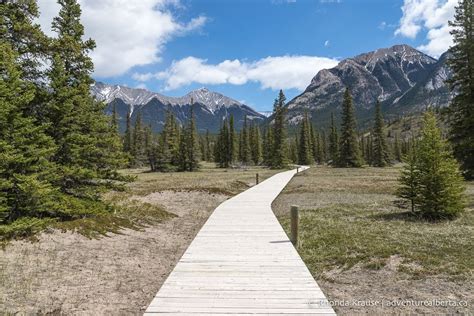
(242, 262)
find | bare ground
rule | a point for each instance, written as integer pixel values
(66, 273)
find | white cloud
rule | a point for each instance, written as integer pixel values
(283, 72)
(432, 15)
(327, 43)
(127, 33)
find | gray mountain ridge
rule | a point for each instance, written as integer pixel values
(404, 79)
(210, 108)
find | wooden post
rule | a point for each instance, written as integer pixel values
(256, 178)
(297, 169)
(295, 219)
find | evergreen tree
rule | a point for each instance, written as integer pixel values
(441, 186)
(127, 139)
(86, 148)
(221, 148)
(409, 179)
(314, 143)
(461, 62)
(280, 151)
(114, 119)
(333, 141)
(267, 146)
(324, 147)
(349, 154)
(256, 144)
(190, 141)
(397, 151)
(207, 146)
(245, 153)
(381, 156)
(305, 156)
(25, 37)
(25, 149)
(232, 147)
(139, 146)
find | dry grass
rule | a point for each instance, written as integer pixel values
(208, 178)
(358, 243)
(63, 273)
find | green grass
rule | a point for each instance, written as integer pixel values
(349, 217)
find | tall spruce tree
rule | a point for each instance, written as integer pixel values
(397, 150)
(409, 179)
(232, 149)
(19, 28)
(280, 151)
(305, 155)
(114, 119)
(256, 144)
(25, 149)
(461, 62)
(333, 141)
(349, 154)
(381, 157)
(139, 145)
(441, 186)
(267, 145)
(86, 149)
(189, 144)
(127, 138)
(221, 148)
(245, 152)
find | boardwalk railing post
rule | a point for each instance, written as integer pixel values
(256, 178)
(295, 218)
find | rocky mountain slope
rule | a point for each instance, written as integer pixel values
(404, 79)
(210, 108)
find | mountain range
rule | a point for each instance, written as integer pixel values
(210, 108)
(404, 79)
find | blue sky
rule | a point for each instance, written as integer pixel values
(247, 49)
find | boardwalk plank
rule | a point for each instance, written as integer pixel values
(241, 263)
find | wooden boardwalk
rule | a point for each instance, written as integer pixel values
(242, 262)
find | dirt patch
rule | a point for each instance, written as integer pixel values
(66, 273)
(375, 292)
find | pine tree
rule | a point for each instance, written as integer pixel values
(256, 144)
(280, 151)
(221, 148)
(267, 146)
(324, 147)
(409, 179)
(87, 150)
(25, 37)
(127, 139)
(305, 156)
(381, 156)
(349, 154)
(114, 119)
(232, 147)
(441, 186)
(245, 153)
(207, 146)
(333, 141)
(193, 144)
(25, 149)
(461, 62)
(397, 151)
(138, 149)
